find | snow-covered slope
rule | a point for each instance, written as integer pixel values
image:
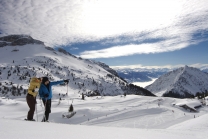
(113, 117)
(182, 82)
(11, 129)
(23, 60)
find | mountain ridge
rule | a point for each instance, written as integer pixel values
(148, 74)
(182, 83)
(18, 64)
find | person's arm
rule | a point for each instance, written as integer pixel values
(31, 90)
(41, 93)
(57, 82)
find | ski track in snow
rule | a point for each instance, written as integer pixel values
(131, 112)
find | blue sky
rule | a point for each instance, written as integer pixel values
(116, 32)
(196, 53)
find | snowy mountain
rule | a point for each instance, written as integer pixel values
(133, 116)
(22, 57)
(182, 83)
(148, 74)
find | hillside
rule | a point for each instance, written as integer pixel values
(181, 83)
(26, 57)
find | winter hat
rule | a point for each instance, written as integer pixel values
(39, 75)
(44, 79)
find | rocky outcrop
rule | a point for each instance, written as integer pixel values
(18, 40)
(65, 52)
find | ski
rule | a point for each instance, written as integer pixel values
(29, 120)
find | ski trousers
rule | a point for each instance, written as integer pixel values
(47, 105)
(31, 101)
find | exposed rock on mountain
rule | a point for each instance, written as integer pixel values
(184, 82)
(18, 64)
(18, 40)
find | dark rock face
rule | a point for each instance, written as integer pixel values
(106, 67)
(49, 48)
(65, 52)
(14, 40)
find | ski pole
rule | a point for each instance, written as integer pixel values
(36, 111)
(67, 89)
(44, 117)
(41, 103)
(67, 92)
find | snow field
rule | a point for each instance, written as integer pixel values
(109, 117)
(132, 111)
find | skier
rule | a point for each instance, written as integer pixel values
(45, 93)
(31, 96)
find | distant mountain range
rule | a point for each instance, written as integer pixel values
(148, 74)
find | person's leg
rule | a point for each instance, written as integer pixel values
(31, 103)
(48, 109)
(47, 105)
(44, 103)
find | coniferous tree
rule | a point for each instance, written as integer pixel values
(25, 91)
(71, 108)
(83, 96)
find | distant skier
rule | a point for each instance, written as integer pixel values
(31, 96)
(45, 93)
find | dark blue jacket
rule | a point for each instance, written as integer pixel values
(44, 90)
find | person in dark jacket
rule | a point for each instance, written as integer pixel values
(45, 93)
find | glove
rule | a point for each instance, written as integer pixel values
(36, 89)
(46, 95)
(66, 81)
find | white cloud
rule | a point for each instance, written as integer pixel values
(197, 65)
(126, 50)
(74, 48)
(60, 22)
